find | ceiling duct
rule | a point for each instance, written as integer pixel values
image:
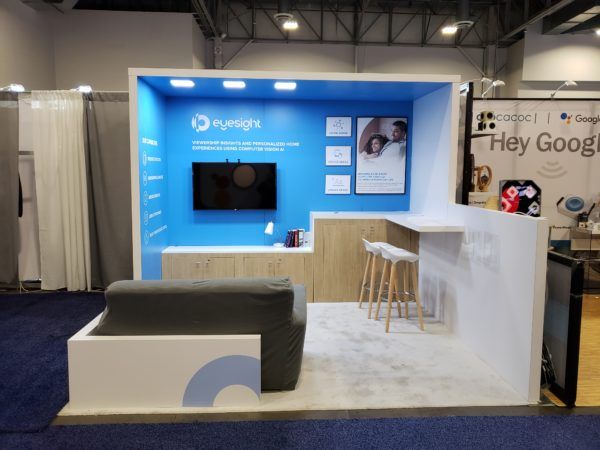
(283, 11)
(462, 15)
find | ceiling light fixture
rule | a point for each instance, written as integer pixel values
(13, 87)
(597, 31)
(234, 84)
(494, 84)
(84, 89)
(449, 29)
(284, 17)
(566, 83)
(285, 85)
(290, 24)
(178, 83)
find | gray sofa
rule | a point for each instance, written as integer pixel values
(271, 307)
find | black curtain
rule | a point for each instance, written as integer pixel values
(109, 186)
(9, 188)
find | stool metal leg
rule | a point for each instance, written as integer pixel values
(415, 287)
(364, 281)
(391, 293)
(381, 286)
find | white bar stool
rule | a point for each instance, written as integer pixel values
(410, 284)
(373, 250)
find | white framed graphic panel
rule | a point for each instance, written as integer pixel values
(338, 155)
(337, 184)
(338, 126)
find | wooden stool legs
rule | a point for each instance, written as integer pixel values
(364, 280)
(409, 286)
(381, 286)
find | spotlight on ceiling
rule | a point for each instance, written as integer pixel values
(178, 83)
(13, 87)
(290, 24)
(285, 85)
(597, 31)
(566, 83)
(449, 29)
(234, 84)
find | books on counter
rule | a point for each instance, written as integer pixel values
(295, 238)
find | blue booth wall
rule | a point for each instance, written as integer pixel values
(299, 127)
(153, 206)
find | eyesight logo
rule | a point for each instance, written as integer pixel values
(200, 122)
(566, 117)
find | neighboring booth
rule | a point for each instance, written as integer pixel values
(481, 273)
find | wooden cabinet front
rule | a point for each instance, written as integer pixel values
(340, 257)
(186, 266)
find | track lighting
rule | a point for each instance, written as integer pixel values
(566, 83)
(494, 84)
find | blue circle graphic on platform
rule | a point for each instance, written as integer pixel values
(563, 116)
(574, 204)
(213, 377)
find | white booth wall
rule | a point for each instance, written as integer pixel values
(488, 283)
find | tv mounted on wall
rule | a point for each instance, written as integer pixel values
(234, 186)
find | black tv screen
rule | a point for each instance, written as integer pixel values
(234, 185)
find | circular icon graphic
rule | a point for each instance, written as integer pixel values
(145, 198)
(200, 122)
(563, 116)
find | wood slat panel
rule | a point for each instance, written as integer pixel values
(588, 380)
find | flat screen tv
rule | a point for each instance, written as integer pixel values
(234, 185)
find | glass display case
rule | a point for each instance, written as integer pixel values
(585, 247)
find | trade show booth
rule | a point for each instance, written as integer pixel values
(273, 174)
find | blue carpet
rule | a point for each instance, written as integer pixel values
(34, 329)
(547, 432)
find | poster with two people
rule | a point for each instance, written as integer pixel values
(381, 155)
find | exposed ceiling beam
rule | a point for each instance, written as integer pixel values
(539, 16)
(571, 16)
(586, 26)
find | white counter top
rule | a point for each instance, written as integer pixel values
(416, 222)
(235, 249)
(424, 224)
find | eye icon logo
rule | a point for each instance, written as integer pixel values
(566, 117)
(200, 122)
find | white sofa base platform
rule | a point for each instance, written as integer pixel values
(115, 372)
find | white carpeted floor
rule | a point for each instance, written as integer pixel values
(351, 363)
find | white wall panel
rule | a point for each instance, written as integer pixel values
(434, 146)
(487, 285)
